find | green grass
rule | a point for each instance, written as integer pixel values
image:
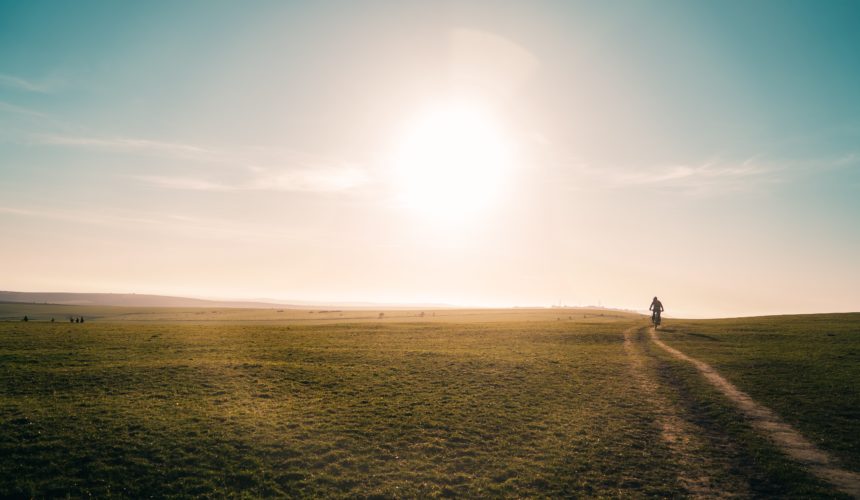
(806, 368)
(520, 403)
(394, 410)
(14, 311)
(734, 448)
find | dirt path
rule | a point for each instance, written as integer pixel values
(766, 421)
(682, 437)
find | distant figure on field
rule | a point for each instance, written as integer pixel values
(71, 320)
(52, 320)
(82, 320)
(26, 318)
(657, 308)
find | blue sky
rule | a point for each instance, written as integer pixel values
(707, 152)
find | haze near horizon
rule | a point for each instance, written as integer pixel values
(467, 153)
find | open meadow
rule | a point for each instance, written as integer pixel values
(298, 249)
(531, 402)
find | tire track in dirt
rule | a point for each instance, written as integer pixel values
(682, 437)
(763, 419)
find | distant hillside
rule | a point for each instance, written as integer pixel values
(126, 300)
(143, 300)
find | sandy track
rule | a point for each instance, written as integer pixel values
(682, 437)
(767, 422)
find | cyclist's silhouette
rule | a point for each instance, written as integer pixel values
(657, 308)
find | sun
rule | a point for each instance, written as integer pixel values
(451, 162)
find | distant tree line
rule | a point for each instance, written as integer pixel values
(72, 319)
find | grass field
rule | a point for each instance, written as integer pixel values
(806, 368)
(10, 311)
(463, 403)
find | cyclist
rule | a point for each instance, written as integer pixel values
(657, 307)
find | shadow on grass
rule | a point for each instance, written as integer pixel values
(750, 456)
(703, 336)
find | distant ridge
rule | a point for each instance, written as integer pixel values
(128, 300)
(145, 300)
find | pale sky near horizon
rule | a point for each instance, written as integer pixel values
(468, 153)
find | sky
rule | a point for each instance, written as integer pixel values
(465, 153)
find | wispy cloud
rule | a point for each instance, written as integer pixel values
(306, 179)
(310, 178)
(709, 178)
(172, 223)
(183, 183)
(698, 176)
(227, 170)
(16, 82)
(11, 108)
(15, 211)
(98, 218)
(129, 145)
(847, 159)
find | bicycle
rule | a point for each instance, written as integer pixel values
(655, 318)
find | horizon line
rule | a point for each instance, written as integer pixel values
(371, 305)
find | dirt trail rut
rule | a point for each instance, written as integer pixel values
(682, 437)
(766, 421)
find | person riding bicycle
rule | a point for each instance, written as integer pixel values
(657, 307)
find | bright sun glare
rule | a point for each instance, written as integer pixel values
(451, 162)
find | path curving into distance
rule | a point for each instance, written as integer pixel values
(681, 436)
(763, 419)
